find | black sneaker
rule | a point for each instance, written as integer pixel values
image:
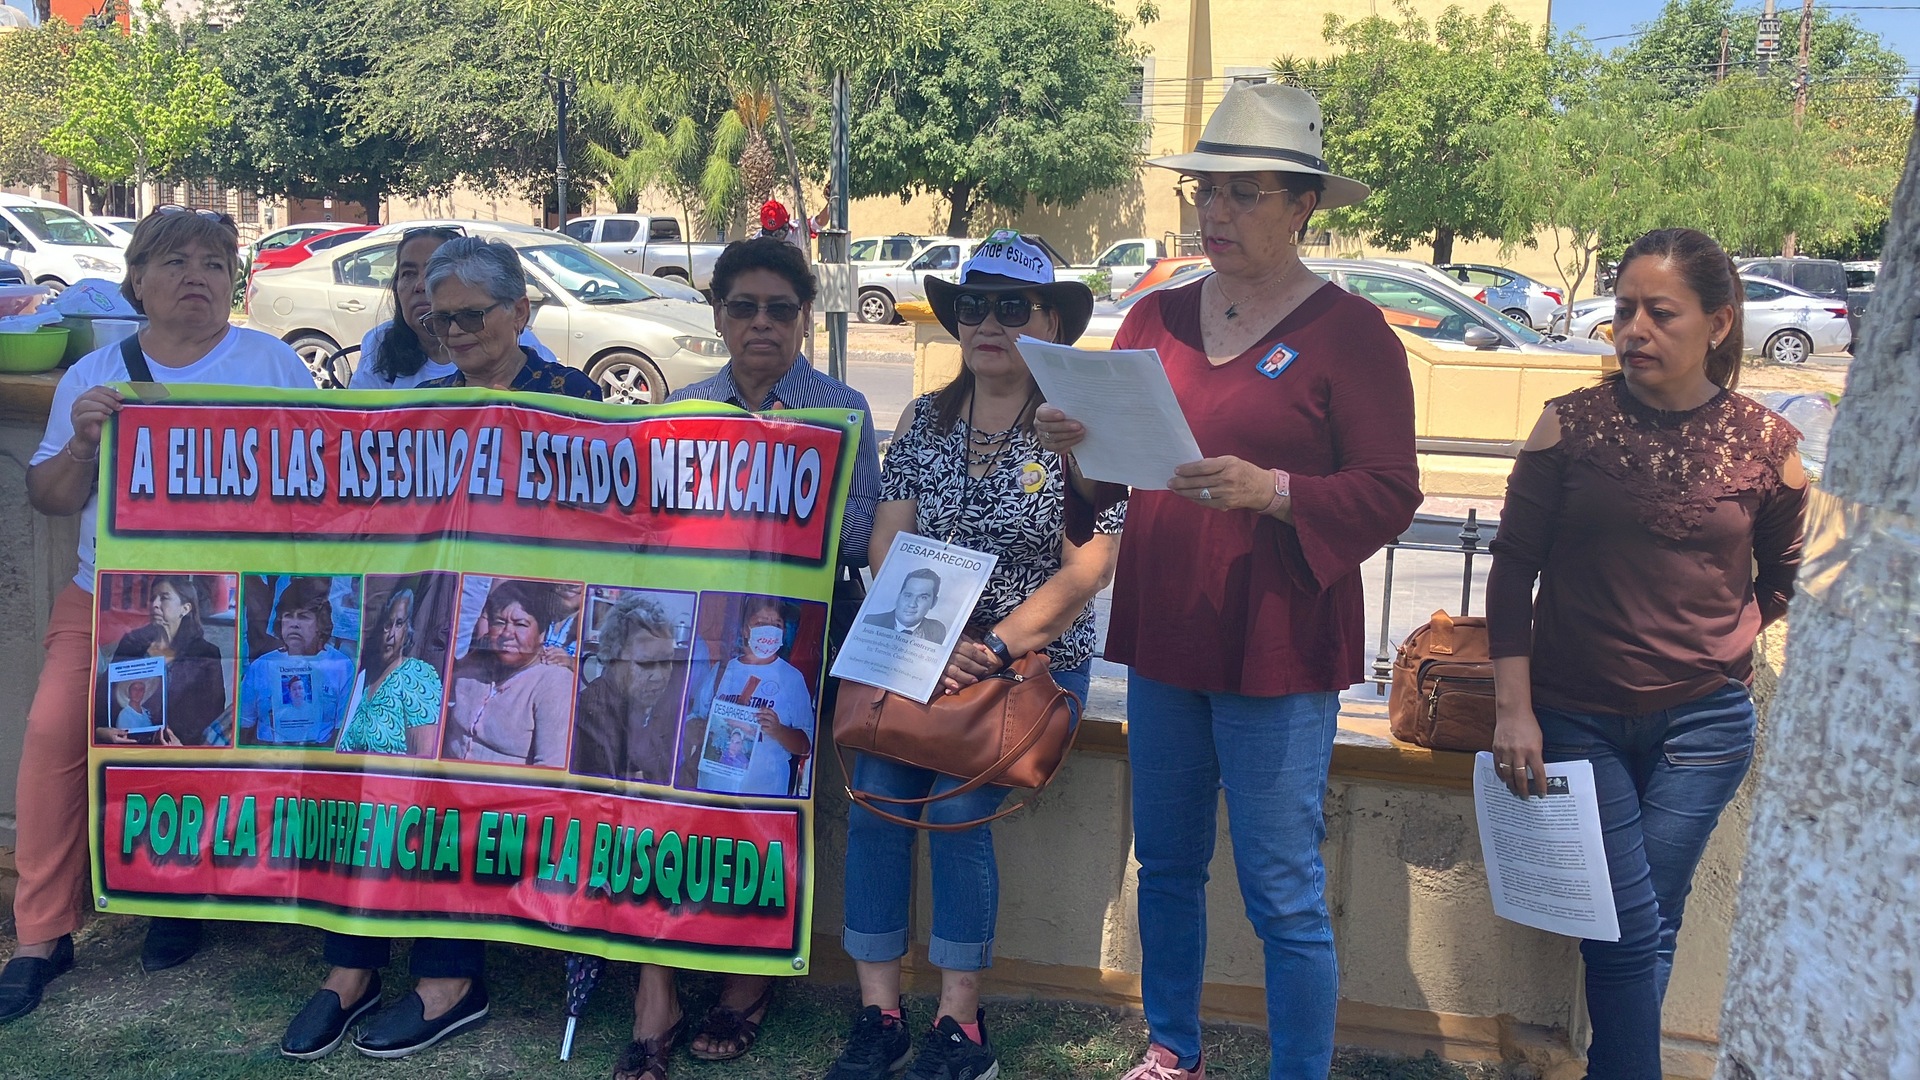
(947, 1054)
(876, 1048)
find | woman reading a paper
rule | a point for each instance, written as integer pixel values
(965, 468)
(1662, 514)
(1238, 603)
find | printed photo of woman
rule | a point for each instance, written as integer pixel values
(186, 699)
(509, 707)
(751, 712)
(397, 699)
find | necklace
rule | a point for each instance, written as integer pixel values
(983, 448)
(1233, 306)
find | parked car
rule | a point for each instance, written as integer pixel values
(895, 250)
(118, 229)
(53, 245)
(1782, 324)
(882, 287)
(300, 251)
(596, 317)
(1124, 262)
(648, 244)
(1860, 279)
(1434, 274)
(1509, 292)
(1166, 270)
(10, 274)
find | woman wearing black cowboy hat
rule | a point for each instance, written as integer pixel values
(965, 468)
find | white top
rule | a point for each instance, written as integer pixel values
(365, 378)
(243, 358)
(783, 689)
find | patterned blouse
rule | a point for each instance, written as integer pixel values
(409, 697)
(1013, 512)
(538, 377)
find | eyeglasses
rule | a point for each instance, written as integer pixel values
(779, 311)
(214, 216)
(470, 320)
(1244, 194)
(972, 309)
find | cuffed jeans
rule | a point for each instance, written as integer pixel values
(431, 958)
(1662, 780)
(966, 876)
(1271, 755)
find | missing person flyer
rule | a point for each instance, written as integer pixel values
(914, 616)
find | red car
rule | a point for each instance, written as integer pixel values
(294, 254)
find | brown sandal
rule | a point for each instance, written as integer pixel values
(727, 1025)
(646, 1059)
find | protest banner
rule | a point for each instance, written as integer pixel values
(464, 664)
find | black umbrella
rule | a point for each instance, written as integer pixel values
(583, 974)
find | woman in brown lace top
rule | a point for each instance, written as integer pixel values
(1662, 513)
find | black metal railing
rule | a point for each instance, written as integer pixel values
(1468, 550)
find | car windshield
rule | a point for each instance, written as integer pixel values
(1860, 279)
(588, 277)
(60, 226)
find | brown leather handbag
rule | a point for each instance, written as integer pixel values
(1012, 729)
(1443, 686)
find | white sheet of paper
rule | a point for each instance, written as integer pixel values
(1546, 863)
(879, 652)
(1136, 433)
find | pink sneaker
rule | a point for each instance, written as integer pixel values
(1162, 1064)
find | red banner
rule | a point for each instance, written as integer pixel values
(724, 484)
(378, 844)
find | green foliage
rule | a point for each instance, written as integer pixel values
(1017, 101)
(33, 70)
(1680, 49)
(685, 149)
(1403, 99)
(135, 105)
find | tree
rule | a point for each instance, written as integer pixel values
(1680, 49)
(33, 69)
(135, 105)
(1019, 101)
(1826, 943)
(1403, 102)
(688, 150)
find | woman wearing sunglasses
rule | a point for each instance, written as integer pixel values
(399, 354)
(965, 468)
(1237, 604)
(479, 298)
(763, 304)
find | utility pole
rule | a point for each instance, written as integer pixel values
(1766, 44)
(1726, 35)
(1791, 245)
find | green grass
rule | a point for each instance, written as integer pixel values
(221, 1015)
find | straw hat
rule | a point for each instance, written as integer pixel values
(1006, 262)
(1266, 127)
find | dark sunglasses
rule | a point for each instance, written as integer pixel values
(972, 309)
(470, 320)
(779, 311)
(211, 215)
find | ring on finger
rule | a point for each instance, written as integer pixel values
(1206, 494)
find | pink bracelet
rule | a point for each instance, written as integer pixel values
(1282, 490)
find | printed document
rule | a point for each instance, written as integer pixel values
(1136, 433)
(913, 616)
(1545, 861)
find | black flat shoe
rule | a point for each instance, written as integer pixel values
(25, 978)
(319, 1028)
(170, 943)
(402, 1028)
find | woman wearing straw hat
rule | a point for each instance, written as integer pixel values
(1237, 604)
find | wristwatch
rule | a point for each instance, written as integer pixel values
(999, 648)
(1282, 489)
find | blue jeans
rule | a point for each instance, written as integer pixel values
(1271, 754)
(1662, 780)
(966, 877)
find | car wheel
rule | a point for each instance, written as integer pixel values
(1789, 347)
(876, 306)
(627, 378)
(1602, 331)
(675, 275)
(317, 352)
(1520, 316)
(53, 283)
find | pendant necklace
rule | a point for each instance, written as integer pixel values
(1233, 306)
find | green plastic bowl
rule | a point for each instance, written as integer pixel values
(39, 351)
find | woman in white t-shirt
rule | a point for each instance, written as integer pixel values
(180, 276)
(760, 715)
(400, 354)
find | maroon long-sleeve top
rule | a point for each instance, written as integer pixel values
(1237, 601)
(1662, 541)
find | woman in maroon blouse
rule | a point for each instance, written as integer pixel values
(1662, 513)
(1237, 603)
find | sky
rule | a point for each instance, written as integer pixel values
(1900, 29)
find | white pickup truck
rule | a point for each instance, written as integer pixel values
(1124, 262)
(881, 287)
(648, 244)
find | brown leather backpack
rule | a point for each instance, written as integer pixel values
(1443, 686)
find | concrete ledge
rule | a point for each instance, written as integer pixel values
(26, 399)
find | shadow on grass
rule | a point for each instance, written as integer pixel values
(220, 1017)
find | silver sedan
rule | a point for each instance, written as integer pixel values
(1783, 324)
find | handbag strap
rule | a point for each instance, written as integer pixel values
(136, 359)
(866, 801)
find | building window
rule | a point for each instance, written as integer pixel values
(1248, 76)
